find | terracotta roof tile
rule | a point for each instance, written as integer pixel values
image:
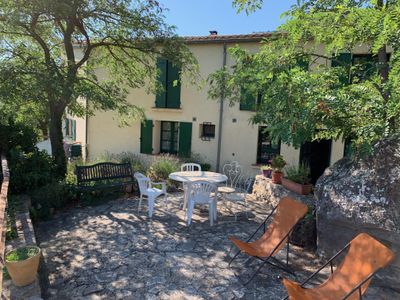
(251, 37)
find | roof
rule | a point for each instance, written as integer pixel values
(251, 37)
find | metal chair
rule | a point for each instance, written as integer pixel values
(202, 193)
(232, 170)
(147, 190)
(243, 187)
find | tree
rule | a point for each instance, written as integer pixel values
(303, 98)
(57, 44)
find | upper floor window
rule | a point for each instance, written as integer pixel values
(168, 77)
(249, 101)
(266, 149)
(70, 129)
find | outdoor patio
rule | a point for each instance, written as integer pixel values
(112, 251)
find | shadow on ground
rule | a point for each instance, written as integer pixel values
(112, 251)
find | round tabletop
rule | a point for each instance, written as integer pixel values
(189, 176)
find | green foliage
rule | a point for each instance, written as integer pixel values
(50, 51)
(53, 196)
(138, 162)
(278, 163)
(266, 167)
(299, 174)
(304, 104)
(199, 159)
(16, 136)
(22, 253)
(162, 166)
(31, 170)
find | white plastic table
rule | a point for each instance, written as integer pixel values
(189, 176)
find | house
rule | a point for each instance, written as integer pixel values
(182, 120)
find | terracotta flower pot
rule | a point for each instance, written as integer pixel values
(267, 173)
(302, 189)
(277, 177)
(23, 272)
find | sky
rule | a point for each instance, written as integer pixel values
(198, 17)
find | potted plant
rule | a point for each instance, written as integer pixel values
(266, 170)
(277, 163)
(298, 179)
(22, 264)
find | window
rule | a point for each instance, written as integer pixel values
(169, 137)
(70, 129)
(266, 150)
(170, 97)
(364, 66)
(207, 131)
(249, 101)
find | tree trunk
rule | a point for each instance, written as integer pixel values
(56, 139)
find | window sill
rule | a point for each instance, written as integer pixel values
(166, 109)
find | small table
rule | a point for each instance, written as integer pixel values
(189, 176)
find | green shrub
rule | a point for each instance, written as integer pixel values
(56, 196)
(300, 174)
(162, 166)
(138, 162)
(17, 136)
(29, 171)
(22, 253)
(199, 159)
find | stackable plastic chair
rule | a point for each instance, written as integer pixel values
(285, 216)
(202, 193)
(352, 277)
(151, 193)
(188, 167)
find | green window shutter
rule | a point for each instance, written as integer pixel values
(73, 123)
(247, 101)
(185, 139)
(67, 127)
(173, 86)
(161, 97)
(146, 137)
(343, 60)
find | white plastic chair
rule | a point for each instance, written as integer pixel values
(232, 170)
(188, 167)
(243, 188)
(147, 190)
(202, 193)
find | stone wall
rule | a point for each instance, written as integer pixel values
(362, 196)
(305, 232)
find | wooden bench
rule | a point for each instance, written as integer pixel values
(108, 174)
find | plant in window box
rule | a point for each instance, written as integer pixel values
(277, 163)
(297, 179)
(266, 170)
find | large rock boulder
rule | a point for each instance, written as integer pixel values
(362, 196)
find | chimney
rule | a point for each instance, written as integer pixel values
(213, 32)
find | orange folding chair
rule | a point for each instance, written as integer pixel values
(285, 216)
(351, 278)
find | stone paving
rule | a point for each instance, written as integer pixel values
(112, 251)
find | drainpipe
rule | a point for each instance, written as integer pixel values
(221, 113)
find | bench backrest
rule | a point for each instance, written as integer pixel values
(103, 171)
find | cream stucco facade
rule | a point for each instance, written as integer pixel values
(239, 138)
